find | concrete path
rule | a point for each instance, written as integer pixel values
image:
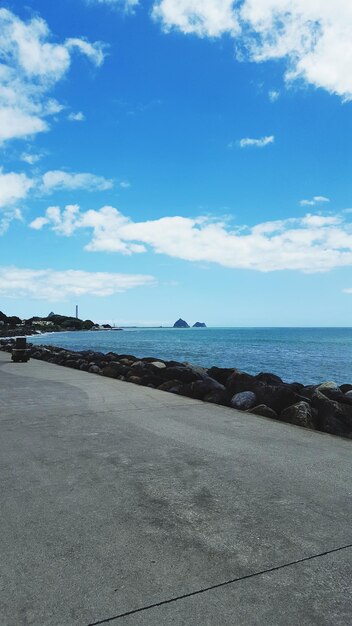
(125, 505)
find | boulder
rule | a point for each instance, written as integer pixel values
(335, 393)
(127, 362)
(173, 386)
(111, 356)
(299, 414)
(136, 380)
(73, 363)
(240, 381)
(264, 411)
(182, 373)
(277, 398)
(218, 397)
(328, 385)
(128, 357)
(244, 400)
(94, 369)
(345, 388)
(269, 379)
(150, 379)
(201, 388)
(333, 417)
(114, 370)
(139, 368)
(221, 374)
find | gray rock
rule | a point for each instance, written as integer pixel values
(136, 380)
(345, 387)
(182, 373)
(158, 364)
(217, 397)
(221, 374)
(333, 417)
(94, 369)
(244, 400)
(328, 385)
(240, 381)
(264, 411)
(200, 388)
(173, 386)
(299, 414)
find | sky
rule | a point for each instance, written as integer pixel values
(177, 158)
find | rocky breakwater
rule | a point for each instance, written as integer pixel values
(325, 407)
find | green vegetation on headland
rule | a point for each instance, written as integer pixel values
(12, 326)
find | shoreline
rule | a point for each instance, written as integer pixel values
(325, 407)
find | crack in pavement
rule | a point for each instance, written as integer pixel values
(218, 585)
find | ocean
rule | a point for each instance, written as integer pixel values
(306, 355)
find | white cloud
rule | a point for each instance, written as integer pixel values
(312, 36)
(7, 217)
(15, 123)
(273, 95)
(13, 187)
(314, 201)
(125, 5)
(55, 180)
(31, 65)
(247, 142)
(314, 243)
(76, 117)
(56, 285)
(206, 18)
(124, 184)
(94, 51)
(30, 158)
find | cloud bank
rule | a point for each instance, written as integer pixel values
(56, 180)
(56, 286)
(313, 243)
(31, 64)
(313, 37)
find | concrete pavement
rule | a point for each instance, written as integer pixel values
(122, 504)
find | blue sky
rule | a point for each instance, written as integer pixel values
(177, 158)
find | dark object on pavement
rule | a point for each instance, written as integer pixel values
(20, 353)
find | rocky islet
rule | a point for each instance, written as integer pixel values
(324, 407)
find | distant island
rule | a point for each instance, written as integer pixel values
(180, 323)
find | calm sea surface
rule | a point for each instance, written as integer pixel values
(307, 355)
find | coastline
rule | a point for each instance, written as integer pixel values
(325, 407)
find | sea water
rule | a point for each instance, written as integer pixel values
(307, 355)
